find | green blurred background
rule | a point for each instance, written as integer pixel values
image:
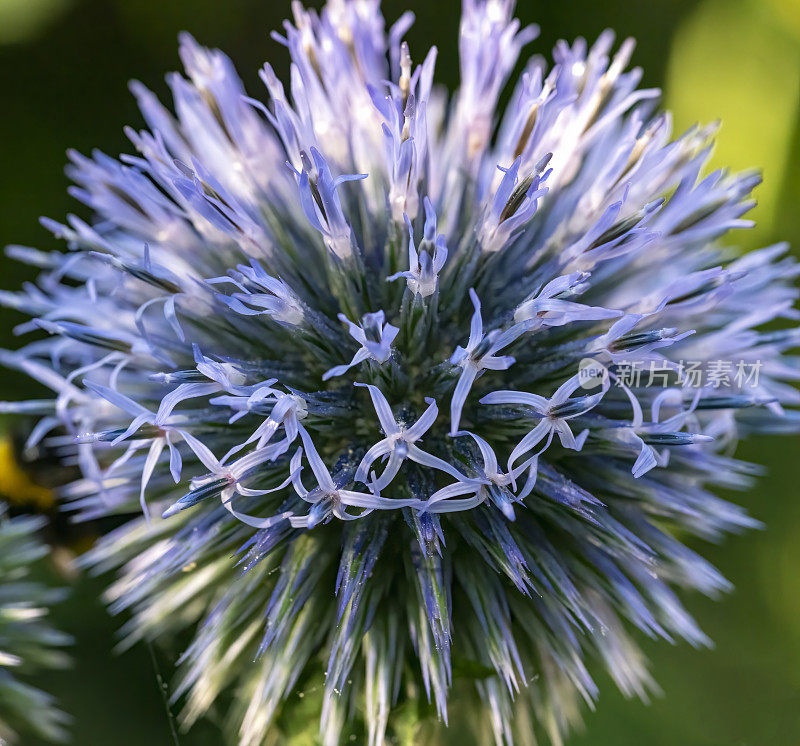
(64, 66)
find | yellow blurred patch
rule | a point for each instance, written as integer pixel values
(16, 485)
(22, 20)
(787, 12)
(739, 61)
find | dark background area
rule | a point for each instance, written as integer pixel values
(64, 68)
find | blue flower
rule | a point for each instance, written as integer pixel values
(228, 347)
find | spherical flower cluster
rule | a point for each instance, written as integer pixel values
(27, 641)
(330, 345)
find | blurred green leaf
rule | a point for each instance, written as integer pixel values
(787, 13)
(733, 60)
(21, 20)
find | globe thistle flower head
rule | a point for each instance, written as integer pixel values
(27, 641)
(378, 345)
